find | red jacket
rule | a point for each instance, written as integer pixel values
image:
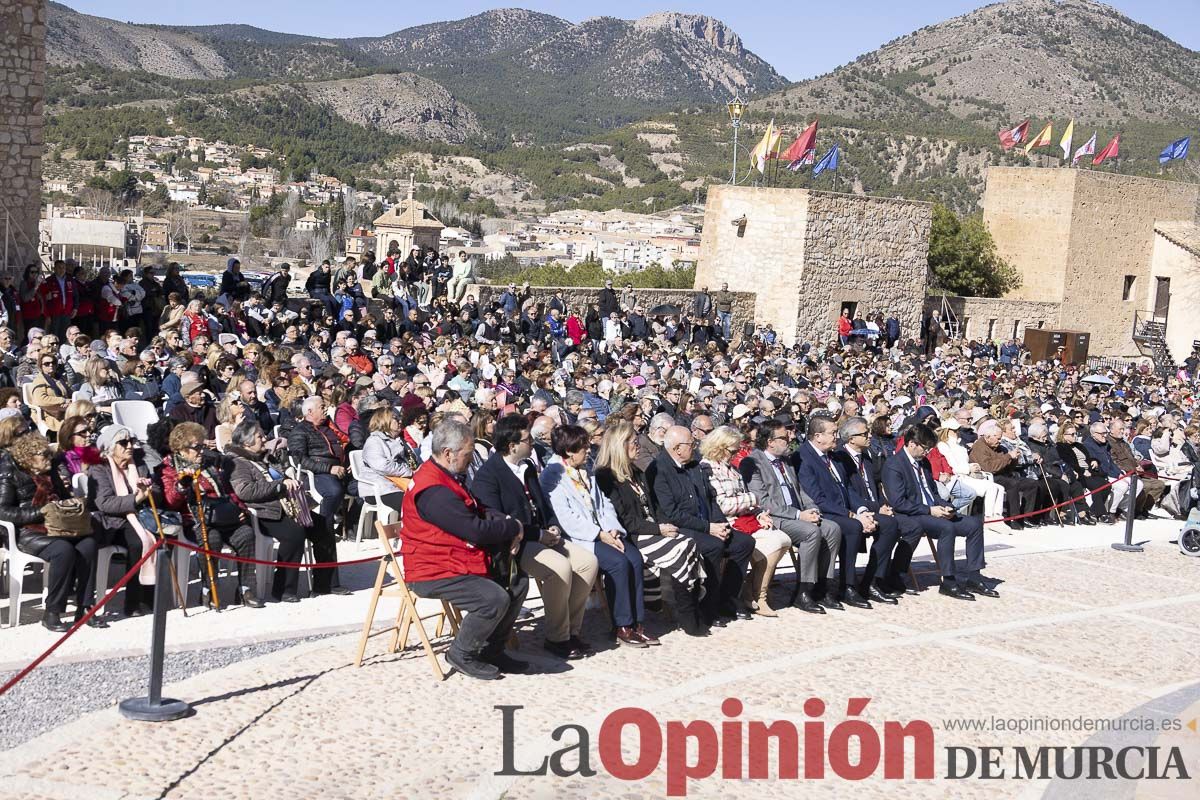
(58, 303)
(429, 552)
(197, 326)
(575, 329)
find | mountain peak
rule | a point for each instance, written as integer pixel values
(700, 26)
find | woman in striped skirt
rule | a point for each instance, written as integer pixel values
(668, 556)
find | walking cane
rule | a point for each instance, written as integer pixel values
(214, 598)
(162, 537)
(1053, 502)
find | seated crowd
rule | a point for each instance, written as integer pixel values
(590, 449)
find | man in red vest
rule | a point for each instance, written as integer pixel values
(454, 550)
(59, 299)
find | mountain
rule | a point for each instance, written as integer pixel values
(1024, 58)
(528, 75)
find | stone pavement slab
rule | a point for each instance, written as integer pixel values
(304, 722)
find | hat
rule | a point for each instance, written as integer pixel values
(978, 413)
(949, 424)
(1160, 446)
(232, 260)
(189, 383)
(5, 413)
(109, 434)
(900, 401)
(739, 411)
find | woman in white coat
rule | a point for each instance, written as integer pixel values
(970, 474)
(587, 518)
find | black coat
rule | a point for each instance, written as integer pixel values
(312, 450)
(497, 488)
(629, 507)
(678, 493)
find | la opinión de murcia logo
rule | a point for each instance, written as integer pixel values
(739, 749)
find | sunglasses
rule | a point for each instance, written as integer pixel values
(123, 442)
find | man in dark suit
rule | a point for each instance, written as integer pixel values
(508, 483)
(908, 484)
(826, 485)
(684, 497)
(866, 495)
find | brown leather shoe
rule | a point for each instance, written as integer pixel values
(627, 637)
(641, 634)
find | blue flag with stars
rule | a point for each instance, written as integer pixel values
(1177, 149)
(828, 161)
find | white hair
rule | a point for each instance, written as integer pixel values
(310, 403)
(989, 427)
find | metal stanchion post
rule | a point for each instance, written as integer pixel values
(154, 708)
(1128, 546)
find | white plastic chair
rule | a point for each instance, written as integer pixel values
(372, 501)
(265, 548)
(15, 563)
(137, 415)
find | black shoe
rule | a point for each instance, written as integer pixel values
(53, 622)
(339, 590)
(831, 603)
(978, 587)
(561, 650)
(742, 611)
(1017, 525)
(1107, 519)
(880, 597)
(888, 591)
(250, 599)
(96, 621)
(506, 663)
(472, 666)
(952, 589)
(581, 647)
(136, 612)
(289, 597)
(719, 622)
(855, 600)
(807, 604)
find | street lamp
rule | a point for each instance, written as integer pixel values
(736, 109)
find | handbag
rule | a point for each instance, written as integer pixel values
(221, 513)
(172, 521)
(67, 518)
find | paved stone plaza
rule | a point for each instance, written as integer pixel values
(1080, 631)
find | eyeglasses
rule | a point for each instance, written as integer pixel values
(48, 363)
(123, 442)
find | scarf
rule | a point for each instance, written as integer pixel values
(123, 483)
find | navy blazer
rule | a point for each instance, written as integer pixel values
(678, 493)
(497, 488)
(830, 495)
(903, 492)
(1101, 453)
(856, 486)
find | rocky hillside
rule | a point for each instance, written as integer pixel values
(74, 38)
(404, 104)
(1035, 58)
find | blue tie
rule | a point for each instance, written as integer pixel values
(929, 501)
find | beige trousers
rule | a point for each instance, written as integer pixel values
(564, 574)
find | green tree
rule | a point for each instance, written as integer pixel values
(963, 257)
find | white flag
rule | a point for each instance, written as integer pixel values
(1086, 149)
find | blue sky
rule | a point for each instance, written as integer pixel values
(799, 40)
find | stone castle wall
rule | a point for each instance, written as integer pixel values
(998, 318)
(804, 253)
(1080, 237)
(1112, 236)
(581, 296)
(869, 251)
(765, 256)
(22, 90)
(1028, 212)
